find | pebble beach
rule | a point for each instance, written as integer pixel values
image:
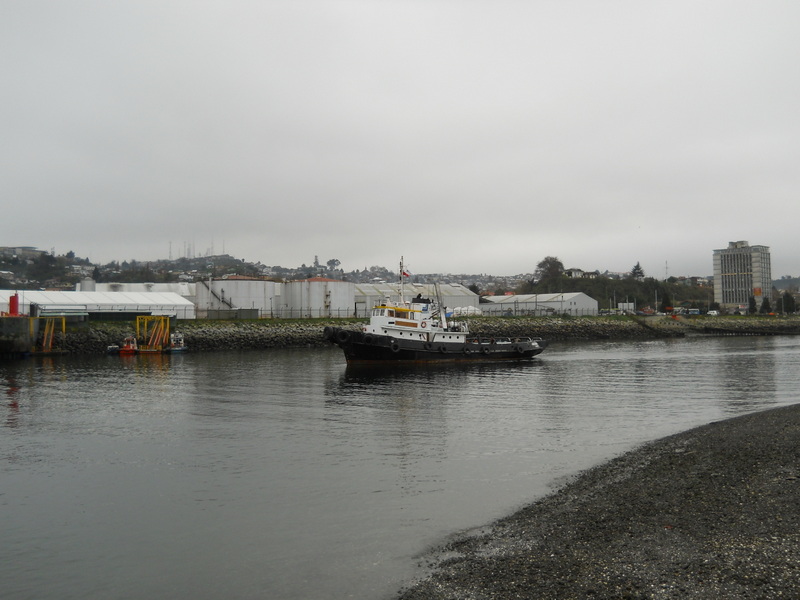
(710, 513)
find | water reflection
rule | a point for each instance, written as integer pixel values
(446, 381)
(747, 375)
(12, 400)
(289, 474)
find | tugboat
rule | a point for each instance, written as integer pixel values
(418, 331)
(129, 347)
(176, 343)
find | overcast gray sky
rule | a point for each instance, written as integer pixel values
(470, 137)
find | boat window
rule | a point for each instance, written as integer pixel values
(389, 313)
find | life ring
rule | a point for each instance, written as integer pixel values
(442, 349)
(484, 351)
(467, 350)
(395, 347)
(428, 346)
(521, 349)
(368, 339)
(327, 333)
(424, 324)
(342, 336)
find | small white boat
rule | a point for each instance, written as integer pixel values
(176, 343)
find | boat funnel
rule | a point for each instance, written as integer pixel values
(13, 305)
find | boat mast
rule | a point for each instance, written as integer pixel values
(402, 281)
(442, 316)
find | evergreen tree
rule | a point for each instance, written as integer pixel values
(765, 306)
(788, 303)
(666, 302)
(752, 308)
(637, 272)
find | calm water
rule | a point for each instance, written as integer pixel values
(284, 474)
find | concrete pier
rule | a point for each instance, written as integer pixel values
(15, 336)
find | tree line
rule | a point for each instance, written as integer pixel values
(635, 288)
(642, 291)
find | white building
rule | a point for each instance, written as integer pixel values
(237, 293)
(233, 295)
(741, 272)
(569, 303)
(454, 295)
(100, 304)
(316, 297)
(185, 289)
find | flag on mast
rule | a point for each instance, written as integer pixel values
(403, 271)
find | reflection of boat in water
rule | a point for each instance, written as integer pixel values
(419, 331)
(369, 374)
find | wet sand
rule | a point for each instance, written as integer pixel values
(710, 513)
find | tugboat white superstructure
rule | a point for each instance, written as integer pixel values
(418, 331)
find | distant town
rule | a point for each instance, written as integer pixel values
(35, 269)
(31, 268)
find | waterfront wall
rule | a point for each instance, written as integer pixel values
(207, 336)
(14, 335)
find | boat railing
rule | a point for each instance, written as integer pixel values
(458, 326)
(501, 340)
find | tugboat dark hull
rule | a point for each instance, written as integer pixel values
(360, 347)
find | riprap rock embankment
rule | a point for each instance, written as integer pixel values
(255, 335)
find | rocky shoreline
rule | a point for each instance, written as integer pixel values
(208, 336)
(713, 512)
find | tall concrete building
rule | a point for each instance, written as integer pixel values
(742, 271)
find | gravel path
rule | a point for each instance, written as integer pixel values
(710, 513)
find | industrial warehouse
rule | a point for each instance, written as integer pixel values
(98, 305)
(570, 303)
(247, 298)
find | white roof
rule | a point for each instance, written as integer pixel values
(178, 287)
(159, 302)
(411, 289)
(534, 298)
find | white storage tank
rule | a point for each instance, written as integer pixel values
(317, 297)
(236, 292)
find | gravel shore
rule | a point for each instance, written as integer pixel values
(710, 513)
